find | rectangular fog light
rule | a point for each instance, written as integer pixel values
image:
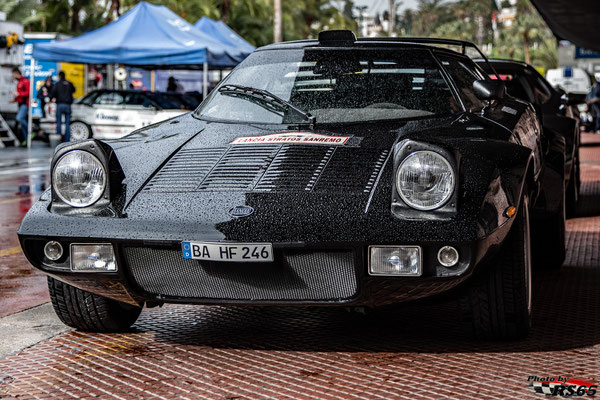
(395, 261)
(93, 258)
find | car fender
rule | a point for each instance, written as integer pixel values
(552, 177)
(503, 171)
(492, 177)
(566, 127)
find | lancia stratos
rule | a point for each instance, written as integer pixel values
(329, 172)
(557, 110)
(111, 114)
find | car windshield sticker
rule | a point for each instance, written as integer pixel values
(294, 137)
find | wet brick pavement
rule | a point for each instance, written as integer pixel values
(23, 176)
(185, 352)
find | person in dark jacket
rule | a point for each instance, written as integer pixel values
(43, 94)
(173, 85)
(62, 94)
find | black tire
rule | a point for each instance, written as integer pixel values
(497, 305)
(573, 191)
(89, 312)
(549, 240)
(578, 174)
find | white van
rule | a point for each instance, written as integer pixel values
(570, 79)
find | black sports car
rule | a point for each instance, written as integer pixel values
(334, 172)
(558, 112)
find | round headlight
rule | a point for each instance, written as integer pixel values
(425, 180)
(79, 178)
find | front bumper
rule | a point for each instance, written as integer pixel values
(327, 274)
(151, 267)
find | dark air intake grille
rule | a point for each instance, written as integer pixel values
(240, 168)
(295, 168)
(185, 171)
(360, 174)
(295, 275)
(271, 167)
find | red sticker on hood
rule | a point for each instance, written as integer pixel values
(294, 137)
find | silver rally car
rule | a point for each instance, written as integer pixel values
(111, 114)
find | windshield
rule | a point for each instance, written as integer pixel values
(335, 86)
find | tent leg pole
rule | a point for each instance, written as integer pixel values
(205, 81)
(85, 78)
(30, 108)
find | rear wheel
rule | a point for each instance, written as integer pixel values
(549, 240)
(79, 131)
(89, 312)
(573, 192)
(497, 305)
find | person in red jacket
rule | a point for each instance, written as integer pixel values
(22, 99)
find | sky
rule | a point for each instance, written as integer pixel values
(382, 5)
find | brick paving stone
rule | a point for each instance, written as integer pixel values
(21, 285)
(409, 352)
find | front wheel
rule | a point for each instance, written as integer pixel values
(89, 312)
(497, 305)
(79, 131)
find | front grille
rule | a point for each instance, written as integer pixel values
(296, 275)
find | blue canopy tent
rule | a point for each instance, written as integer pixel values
(147, 35)
(220, 31)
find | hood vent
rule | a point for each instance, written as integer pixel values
(295, 168)
(185, 171)
(270, 168)
(240, 168)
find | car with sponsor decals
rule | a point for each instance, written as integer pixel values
(557, 110)
(570, 79)
(111, 114)
(332, 172)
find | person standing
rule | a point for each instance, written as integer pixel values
(22, 99)
(173, 85)
(62, 94)
(43, 94)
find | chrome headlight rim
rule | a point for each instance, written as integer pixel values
(93, 200)
(438, 205)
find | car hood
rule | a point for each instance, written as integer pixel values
(194, 172)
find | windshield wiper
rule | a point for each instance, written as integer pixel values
(268, 98)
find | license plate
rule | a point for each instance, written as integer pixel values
(232, 252)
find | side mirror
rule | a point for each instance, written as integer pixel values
(489, 89)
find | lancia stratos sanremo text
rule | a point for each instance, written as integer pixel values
(335, 171)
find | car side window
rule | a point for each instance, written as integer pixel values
(89, 99)
(517, 86)
(464, 76)
(137, 99)
(109, 98)
(541, 91)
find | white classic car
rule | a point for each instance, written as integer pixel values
(111, 114)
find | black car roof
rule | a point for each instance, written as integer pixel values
(123, 91)
(424, 43)
(503, 62)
